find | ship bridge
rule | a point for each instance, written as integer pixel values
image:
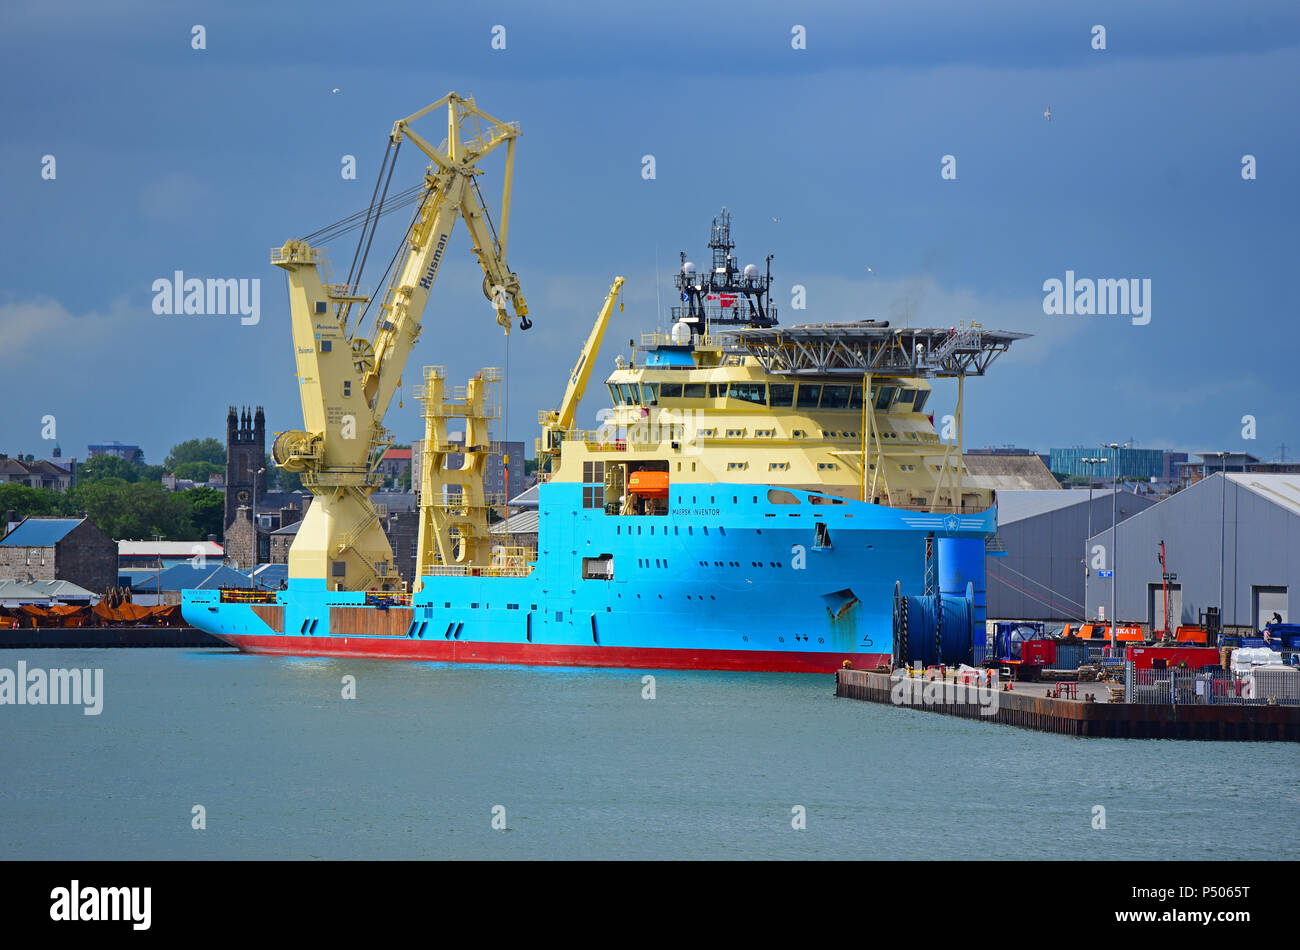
(870, 347)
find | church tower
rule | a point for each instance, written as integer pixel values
(245, 455)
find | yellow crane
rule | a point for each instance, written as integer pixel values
(556, 423)
(347, 378)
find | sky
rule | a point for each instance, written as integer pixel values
(172, 158)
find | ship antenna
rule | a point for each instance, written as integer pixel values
(659, 306)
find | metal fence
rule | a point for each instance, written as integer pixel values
(1262, 686)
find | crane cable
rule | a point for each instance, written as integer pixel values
(375, 226)
(353, 221)
(370, 220)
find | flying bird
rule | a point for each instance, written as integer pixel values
(777, 220)
(336, 92)
(869, 270)
(1048, 114)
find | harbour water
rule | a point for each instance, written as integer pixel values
(716, 765)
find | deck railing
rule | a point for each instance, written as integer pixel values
(240, 595)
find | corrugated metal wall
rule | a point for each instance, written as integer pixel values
(1261, 548)
(1041, 578)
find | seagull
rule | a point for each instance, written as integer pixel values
(1048, 114)
(777, 220)
(869, 270)
(336, 92)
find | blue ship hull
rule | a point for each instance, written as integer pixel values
(726, 580)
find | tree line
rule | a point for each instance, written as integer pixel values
(126, 499)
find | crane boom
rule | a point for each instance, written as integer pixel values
(557, 422)
(347, 381)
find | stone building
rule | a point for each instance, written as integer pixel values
(245, 460)
(66, 549)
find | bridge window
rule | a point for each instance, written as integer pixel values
(886, 397)
(855, 399)
(629, 394)
(750, 392)
(782, 394)
(906, 395)
(650, 394)
(693, 390)
(809, 396)
(921, 396)
(670, 390)
(835, 397)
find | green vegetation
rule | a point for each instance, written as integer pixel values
(196, 450)
(198, 471)
(123, 509)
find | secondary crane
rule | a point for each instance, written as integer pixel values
(557, 422)
(347, 378)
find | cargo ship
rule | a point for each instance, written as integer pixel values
(757, 496)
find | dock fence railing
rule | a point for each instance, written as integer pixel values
(1260, 687)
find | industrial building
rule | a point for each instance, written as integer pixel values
(1231, 541)
(1040, 546)
(1124, 463)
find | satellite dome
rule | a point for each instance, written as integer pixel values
(688, 269)
(751, 272)
(681, 333)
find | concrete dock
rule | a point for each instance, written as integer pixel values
(1028, 707)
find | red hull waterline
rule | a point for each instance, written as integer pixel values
(539, 654)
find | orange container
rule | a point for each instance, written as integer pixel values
(649, 484)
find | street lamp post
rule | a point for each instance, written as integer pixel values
(158, 583)
(1114, 549)
(1087, 568)
(1223, 509)
(252, 568)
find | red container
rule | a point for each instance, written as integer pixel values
(1146, 658)
(1038, 652)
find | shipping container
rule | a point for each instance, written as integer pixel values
(1070, 655)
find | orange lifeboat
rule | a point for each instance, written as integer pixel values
(649, 484)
